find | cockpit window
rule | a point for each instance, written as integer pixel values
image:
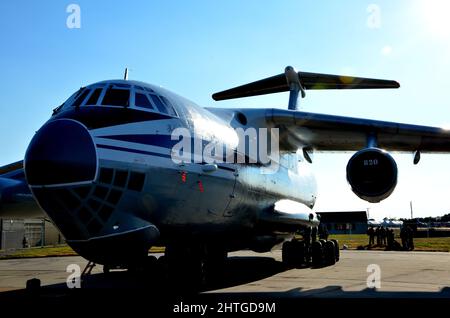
(158, 104)
(122, 85)
(94, 97)
(141, 100)
(169, 106)
(116, 97)
(81, 98)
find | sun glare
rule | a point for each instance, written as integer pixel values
(436, 17)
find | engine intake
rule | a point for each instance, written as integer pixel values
(372, 174)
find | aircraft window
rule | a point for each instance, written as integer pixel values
(139, 87)
(114, 196)
(106, 175)
(94, 204)
(94, 97)
(79, 92)
(136, 181)
(116, 97)
(168, 106)
(123, 85)
(141, 100)
(158, 104)
(94, 227)
(121, 178)
(105, 212)
(81, 98)
(100, 192)
(149, 89)
(84, 215)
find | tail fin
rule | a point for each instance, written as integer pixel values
(281, 83)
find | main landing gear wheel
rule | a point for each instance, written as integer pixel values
(317, 254)
(336, 250)
(329, 253)
(293, 253)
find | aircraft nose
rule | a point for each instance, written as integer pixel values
(61, 152)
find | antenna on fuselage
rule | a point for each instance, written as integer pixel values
(125, 75)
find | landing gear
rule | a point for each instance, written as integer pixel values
(293, 253)
(193, 267)
(329, 253)
(336, 250)
(296, 253)
(317, 253)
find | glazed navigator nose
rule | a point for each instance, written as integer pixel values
(61, 152)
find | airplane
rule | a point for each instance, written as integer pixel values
(102, 169)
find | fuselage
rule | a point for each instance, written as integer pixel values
(103, 170)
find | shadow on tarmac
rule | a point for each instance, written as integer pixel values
(123, 287)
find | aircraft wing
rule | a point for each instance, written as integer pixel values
(16, 200)
(327, 132)
(338, 133)
(322, 132)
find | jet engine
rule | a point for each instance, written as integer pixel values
(372, 174)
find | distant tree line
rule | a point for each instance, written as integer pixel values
(429, 219)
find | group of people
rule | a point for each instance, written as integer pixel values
(385, 237)
(406, 235)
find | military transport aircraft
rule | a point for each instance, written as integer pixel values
(102, 169)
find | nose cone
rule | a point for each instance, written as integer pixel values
(61, 152)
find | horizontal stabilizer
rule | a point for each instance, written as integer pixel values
(279, 83)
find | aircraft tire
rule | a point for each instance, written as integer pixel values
(329, 253)
(298, 253)
(286, 253)
(317, 254)
(336, 250)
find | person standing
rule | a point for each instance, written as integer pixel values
(378, 235)
(371, 233)
(382, 236)
(410, 238)
(24, 242)
(404, 237)
(390, 238)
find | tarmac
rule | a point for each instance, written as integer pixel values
(399, 274)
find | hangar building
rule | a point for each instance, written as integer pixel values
(345, 222)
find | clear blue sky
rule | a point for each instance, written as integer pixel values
(198, 47)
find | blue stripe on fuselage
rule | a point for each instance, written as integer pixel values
(143, 152)
(153, 140)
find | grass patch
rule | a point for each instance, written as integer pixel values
(432, 244)
(48, 251)
(52, 251)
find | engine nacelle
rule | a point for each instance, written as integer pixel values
(372, 174)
